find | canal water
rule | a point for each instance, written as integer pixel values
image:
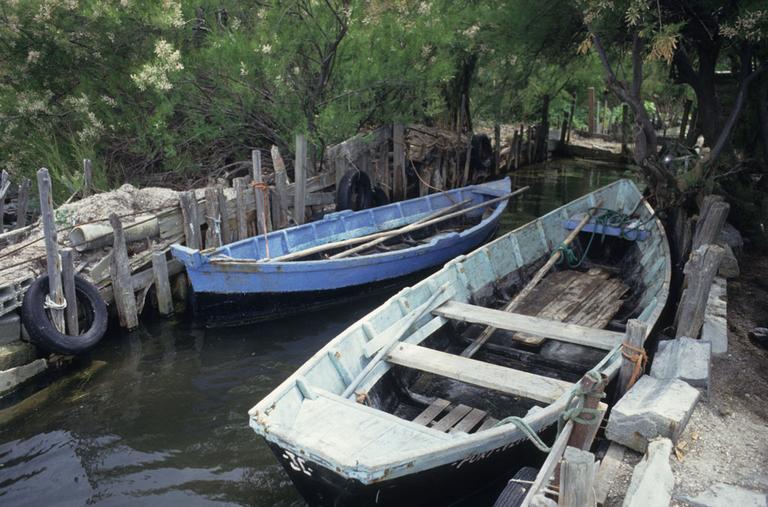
(163, 421)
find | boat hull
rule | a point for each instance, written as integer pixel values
(475, 479)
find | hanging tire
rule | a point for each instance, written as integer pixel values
(514, 493)
(354, 191)
(91, 308)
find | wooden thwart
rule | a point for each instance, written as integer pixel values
(571, 333)
(471, 371)
(432, 411)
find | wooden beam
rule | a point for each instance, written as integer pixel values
(700, 272)
(635, 337)
(240, 211)
(552, 329)
(191, 220)
(471, 371)
(162, 283)
(263, 220)
(53, 261)
(120, 272)
(300, 175)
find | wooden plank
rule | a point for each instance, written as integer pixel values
(471, 371)
(547, 470)
(700, 272)
(489, 423)
(162, 283)
(398, 161)
(53, 261)
(714, 212)
(70, 294)
(22, 205)
(226, 229)
(240, 211)
(213, 237)
(87, 178)
(300, 174)
(263, 221)
(280, 203)
(470, 421)
(320, 199)
(570, 333)
(432, 411)
(607, 470)
(451, 418)
(190, 220)
(120, 272)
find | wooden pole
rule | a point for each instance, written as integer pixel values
(240, 212)
(520, 139)
(398, 161)
(374, 242)
(591, 109)
(635, 338)
(583, 434)
(714, 213)
(401, 230)
(120, 272)
(577, 477)
(263, 223)
(570, 120)
(22, 205)
(5, 183)
(280, 206)
(53, 261)
(162, 283)
(70, 294)
(700, 271)
(189, 213)
(473, 347)
(226, 228)
(300, 189)
(496, 149)
(87, 178)
(213, 236)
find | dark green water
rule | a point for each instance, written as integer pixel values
(164, 422)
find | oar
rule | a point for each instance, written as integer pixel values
(473, 347)
(396, 232)
(403, 230)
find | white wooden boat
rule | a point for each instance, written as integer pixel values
(390, 413)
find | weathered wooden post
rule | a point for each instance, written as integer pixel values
(591, 109)
(280, 203)
(700, 271)
(22, 206)
(624, 128)
(520, 140)
(300, 188)
(120, 272)
(531, 144)
(263, 222)
(583, 434)
(714, 212)
(633, 356)
(240, 212)
(570, 120)
(191, 217)
(162, 283)
(398, 162)
(70, 293)
(5, 183)
(213, 236)
(577, 477)
(87, 177)
(56, 300)
(226, 230)
(496, 149)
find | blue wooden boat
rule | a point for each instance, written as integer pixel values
(392, 412)
(248, 281)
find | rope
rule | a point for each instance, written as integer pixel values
(529, 432)
(50, 304)
(574, 408)
(637, 356)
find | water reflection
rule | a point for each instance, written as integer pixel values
(164, 422)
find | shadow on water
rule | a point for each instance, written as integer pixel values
(164, 422)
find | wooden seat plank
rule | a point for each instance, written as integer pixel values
(432, 411)
(451, 418)
(489, 423)
(571, 333)
(471, 420)
(472, 371)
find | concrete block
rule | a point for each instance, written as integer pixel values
(10, 379)
(684, 359)
(16, 354)
(10, 328)
(652, 408)
(725, 495)
(652, 480)
(715, 328)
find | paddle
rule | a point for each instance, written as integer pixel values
(402, 230)
(473, 347)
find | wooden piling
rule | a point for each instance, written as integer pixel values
(630, 370)
(577, 477)
(87, 178)
(22, 206)
(188, 203)
(213, 236)
(240, 212)
(714, 212)
(53, 261)
(162, 283)
(263, 222)
(570, 120)
(300, 193)
(120, 272)
(280, 202)
(520, 140)
(591, 109)
(496, 149)
(398, 162)
(5, 183)
(226, 228)
(70, 294)
(531, 145)
(700, 271)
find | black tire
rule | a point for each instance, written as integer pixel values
(380, 197)
(90, 306)
(354, 191)
(514, 493)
